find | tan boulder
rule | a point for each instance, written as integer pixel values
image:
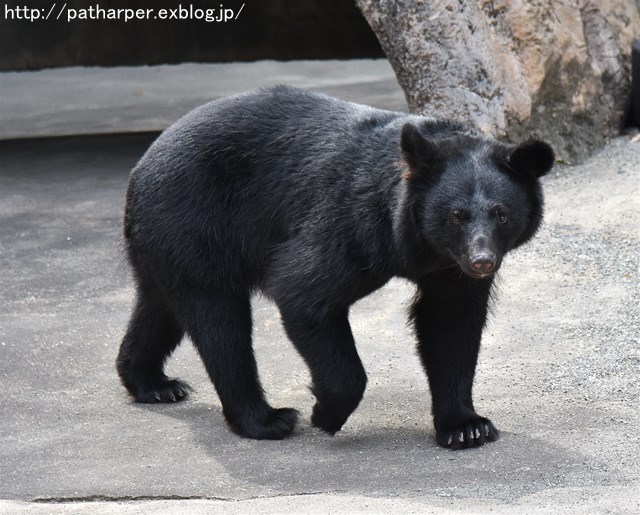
(558, 69)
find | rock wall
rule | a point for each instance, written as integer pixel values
(559, 69)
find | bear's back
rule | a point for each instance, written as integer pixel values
(248, 172)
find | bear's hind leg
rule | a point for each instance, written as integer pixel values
(152, 335)
(220, 328)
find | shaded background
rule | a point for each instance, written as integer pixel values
(275, 29)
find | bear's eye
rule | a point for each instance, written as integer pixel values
(457, 216)
(501, 217)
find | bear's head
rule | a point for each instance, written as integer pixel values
(471, 198)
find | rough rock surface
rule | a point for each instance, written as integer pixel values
(556, 68)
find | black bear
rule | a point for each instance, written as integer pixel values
(317, 202)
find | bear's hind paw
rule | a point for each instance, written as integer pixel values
(274, 424)
(171, 390)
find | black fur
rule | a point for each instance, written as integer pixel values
(316, 203)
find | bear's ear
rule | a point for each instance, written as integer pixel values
(418, 152)
(533, 157)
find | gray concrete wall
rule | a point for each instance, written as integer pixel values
(277, 29)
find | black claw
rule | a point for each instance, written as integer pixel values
(457, 440)
(469, 437)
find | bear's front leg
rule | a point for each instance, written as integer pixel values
(338, 377)
(449, 313)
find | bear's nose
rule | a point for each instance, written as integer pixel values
(483, 263)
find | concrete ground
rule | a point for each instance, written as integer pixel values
(559, 373)
(71, 101)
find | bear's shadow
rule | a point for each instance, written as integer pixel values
(369, 459)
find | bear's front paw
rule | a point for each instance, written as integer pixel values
(328, 418)
(472, 432)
